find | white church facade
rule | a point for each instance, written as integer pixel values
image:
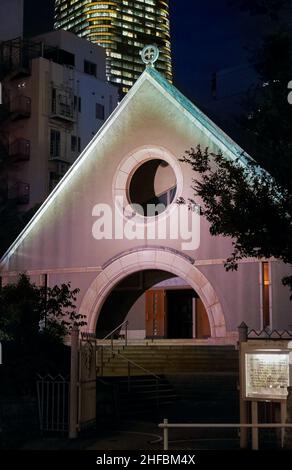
(164, 273)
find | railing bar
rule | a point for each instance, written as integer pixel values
(53, 405)
(43, 402)
(138, 365)
(59, 416)
(47, 410)
(226, 425)
(129, 377)
(39, 404)
(64, 402)
(117, 328)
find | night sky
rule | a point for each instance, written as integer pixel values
(207, 36)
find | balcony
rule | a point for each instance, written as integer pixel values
(19, 150)
(62, 108)
(20, 107)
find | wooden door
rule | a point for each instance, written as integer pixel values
(202, 321)
(155, 314)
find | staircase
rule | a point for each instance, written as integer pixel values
(146, 396)
(181, 382)
(170, 360)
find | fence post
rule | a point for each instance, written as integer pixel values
(73, 384)
(288, 431)
(242, 337)
(255, 430)
(242, 332)
(165, 435)
(129, 376)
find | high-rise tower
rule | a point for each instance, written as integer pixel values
(123, 28)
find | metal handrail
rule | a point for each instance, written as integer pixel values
(166, 426)
(129, 361)
(157, 378)
(109, 335)
(138, 366)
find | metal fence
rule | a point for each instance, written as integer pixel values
(53, 403)
(254, 427)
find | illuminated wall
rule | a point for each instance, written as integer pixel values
(153, 121)
(123, 28)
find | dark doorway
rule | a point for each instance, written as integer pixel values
(180, 313)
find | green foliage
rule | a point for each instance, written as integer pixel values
(251, 202)
(28, 311)
(33, 324)
(245, 203)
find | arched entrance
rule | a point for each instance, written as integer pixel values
(157, 305)
(158, 259)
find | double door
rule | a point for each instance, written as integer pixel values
(174, 314)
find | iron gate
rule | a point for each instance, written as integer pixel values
(53, 403)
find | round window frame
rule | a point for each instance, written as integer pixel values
(124, 174)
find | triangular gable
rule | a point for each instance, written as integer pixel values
(228, 146)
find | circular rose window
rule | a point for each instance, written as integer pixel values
(152, 187)
(146, 185)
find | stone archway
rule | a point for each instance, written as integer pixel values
(152, 258)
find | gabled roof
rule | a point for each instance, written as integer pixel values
(222, 140)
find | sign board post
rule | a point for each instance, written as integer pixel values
(242, 334)
(288, 432)
(264, 377)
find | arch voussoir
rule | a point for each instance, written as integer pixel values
(129, 263)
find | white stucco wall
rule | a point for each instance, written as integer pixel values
(61, 240)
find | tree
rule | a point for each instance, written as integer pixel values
(248, 199)
(33, 324)
(28, 311)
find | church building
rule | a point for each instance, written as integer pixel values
(161, 271)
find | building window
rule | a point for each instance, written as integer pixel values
(79, 144)
(90, 68)
(99, 111)
(55, 143)
(54, 98)
(73, 143)
(152, 187)
(266, 294)
(79, 104)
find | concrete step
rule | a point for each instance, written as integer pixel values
(169, 359)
